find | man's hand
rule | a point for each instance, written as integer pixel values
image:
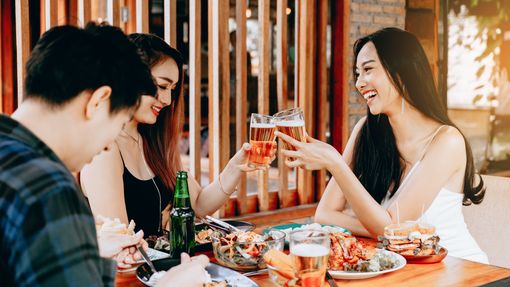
(191, 272)
(122, 247)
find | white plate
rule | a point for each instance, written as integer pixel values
(400, 263)
(153, 255)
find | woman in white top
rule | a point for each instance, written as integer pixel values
(405, 155)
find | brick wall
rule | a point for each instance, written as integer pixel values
(368, 16)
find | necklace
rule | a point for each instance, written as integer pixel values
(132, 137)
(137, 140)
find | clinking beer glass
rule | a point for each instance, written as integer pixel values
(292, 123)
(262, 140)
(310, 251)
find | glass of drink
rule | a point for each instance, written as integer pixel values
(292, 123)
(262, 140)
(310, 251)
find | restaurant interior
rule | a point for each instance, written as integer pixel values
(265, 56)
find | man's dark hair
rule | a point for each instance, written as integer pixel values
(68, 60)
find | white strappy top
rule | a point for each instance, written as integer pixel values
(445, 213)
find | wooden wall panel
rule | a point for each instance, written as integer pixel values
(306, 80)
(322, 87)
(49, 14)
(340, 50)
(282, 89)
(113, 12)
(8, 61)
(142, 16)
(84, 12)
(241, 95)
(195, 87)
(219, 82)
(72, 13)
(22, 43)
(263, 89)
(170, 20)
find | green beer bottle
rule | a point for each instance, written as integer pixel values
(182, 229)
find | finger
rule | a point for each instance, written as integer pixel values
(137, 256)
(291, 153)
(293, 163)
(246, 147)
(246, 168)
(201, 259)
(122, 265)
(129, 260)
(130, 240)
(132, 250)
(311, 140)
(289, 139)
(185, 258)
(144, 244)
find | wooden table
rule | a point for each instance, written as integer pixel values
(451, 271)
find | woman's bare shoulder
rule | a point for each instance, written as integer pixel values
(106, 160)
(450, 137)
(449, 143)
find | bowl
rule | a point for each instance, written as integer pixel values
(244, 251)
(207, 246)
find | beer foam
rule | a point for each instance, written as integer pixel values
(261, 125)
(291, 123)
(309, 250)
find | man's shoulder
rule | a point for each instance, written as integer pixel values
(28, 176)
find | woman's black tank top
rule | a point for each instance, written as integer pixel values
(142, 202)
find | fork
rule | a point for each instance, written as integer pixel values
(147, 259)
(330, 279)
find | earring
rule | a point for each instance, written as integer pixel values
(403, 104)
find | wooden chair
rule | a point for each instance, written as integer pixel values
(489, 222)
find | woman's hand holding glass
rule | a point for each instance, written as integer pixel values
(240, 159)
(311, 155)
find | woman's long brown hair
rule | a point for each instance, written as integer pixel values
(161, 140)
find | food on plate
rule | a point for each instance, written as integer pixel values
(160, 243)
(244, 250)
(346, 252)
(410, 239)
(106, 225)
(203, 236)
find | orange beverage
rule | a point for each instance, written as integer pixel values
(310, 252)
(295, 129)
(262, 139)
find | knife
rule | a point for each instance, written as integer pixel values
(330, 279)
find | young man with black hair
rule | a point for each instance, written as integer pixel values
(81, 87)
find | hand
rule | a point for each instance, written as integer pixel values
(121, 247)
(191, 272)
(240, 159)
(312, 155)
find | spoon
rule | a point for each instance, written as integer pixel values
(147, 259)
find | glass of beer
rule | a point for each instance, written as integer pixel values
(292, 123)
(310, 251)
(262, 140)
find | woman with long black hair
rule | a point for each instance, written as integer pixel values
(406, 160)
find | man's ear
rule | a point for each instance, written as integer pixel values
(98, 99)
